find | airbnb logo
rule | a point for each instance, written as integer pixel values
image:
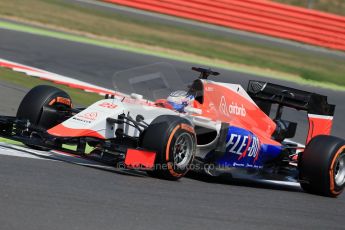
(232, 109)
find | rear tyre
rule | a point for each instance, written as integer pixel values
(174, 141)
(322, 166)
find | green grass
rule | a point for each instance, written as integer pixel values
(105, 26)
(79, 97)
(329, 6)
(88, 148)
(8, 141)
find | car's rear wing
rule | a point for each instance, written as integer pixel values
(320, 113)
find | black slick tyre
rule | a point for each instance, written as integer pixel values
(174, 141)
(42, 106)
(32, 105)
(322, 166)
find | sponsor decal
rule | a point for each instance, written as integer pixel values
(61, 100)
(244, 145)
(245, 149)
(108, 105)
(91, 116)
(64, 101)
(237, 165)
(81, 120)
(187, 127)
(232, 109)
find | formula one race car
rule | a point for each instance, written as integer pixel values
(211, 127)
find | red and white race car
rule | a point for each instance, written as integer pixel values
(211, 127)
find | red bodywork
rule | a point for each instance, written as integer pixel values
(220, 101)
(142, 159)
(319, 125)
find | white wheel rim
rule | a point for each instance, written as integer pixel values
(339, 170)
(183, 150)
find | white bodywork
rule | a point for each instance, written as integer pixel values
(95, 116)
(94, 119)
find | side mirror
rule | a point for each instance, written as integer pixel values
(136, 96)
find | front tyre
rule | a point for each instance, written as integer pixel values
(322, 166)
(174, 141)
(42, 106)
(45, 106)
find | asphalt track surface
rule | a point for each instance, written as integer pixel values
(37, 194)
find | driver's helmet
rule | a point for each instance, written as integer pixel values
(180, 99)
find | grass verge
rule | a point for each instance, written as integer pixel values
(8, 141)
(166, 39)
(79, 97)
